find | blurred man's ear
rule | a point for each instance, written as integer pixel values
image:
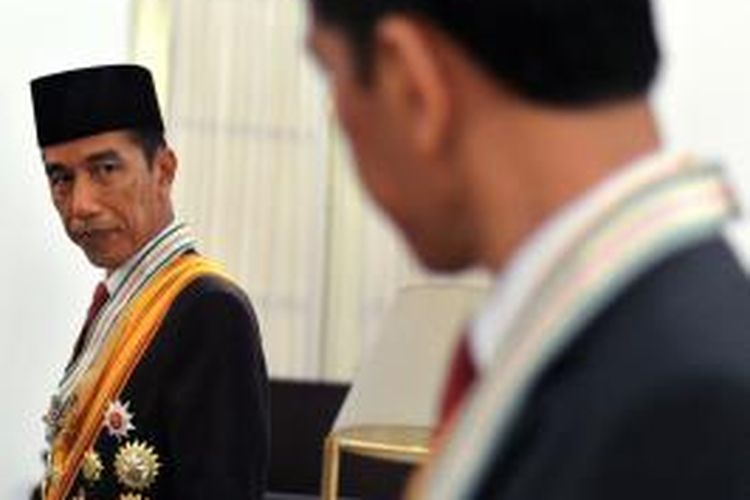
(413, 79)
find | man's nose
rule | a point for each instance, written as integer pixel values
(84, 202)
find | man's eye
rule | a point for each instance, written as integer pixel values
(59, 177)
(106, 168)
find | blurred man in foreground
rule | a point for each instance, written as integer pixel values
(613, 359)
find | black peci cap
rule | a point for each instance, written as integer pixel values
(89, 101)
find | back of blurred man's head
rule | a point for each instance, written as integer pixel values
(562, 52)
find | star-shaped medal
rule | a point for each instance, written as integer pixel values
(118, 420)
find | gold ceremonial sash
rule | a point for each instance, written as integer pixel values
(129, 339)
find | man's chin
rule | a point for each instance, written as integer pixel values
(443, 261)
(102, 261)
(441, 255)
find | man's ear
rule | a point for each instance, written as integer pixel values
(414, 80)
(165, 166)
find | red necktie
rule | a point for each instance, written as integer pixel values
(101, 296)
(461, 376)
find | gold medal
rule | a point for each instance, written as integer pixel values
(52, 474)
(132, 496)
(92, 466)
(80, 495)
(136, 465)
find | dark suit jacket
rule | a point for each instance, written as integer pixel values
(650, 402)
(200, 397)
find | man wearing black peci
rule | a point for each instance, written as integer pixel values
(166, 393)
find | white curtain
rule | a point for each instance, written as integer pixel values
(265, 178)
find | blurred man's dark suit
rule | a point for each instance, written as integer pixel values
(652, 399)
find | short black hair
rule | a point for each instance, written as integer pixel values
(560, 52)
(149, 140)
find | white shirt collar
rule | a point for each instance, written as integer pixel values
(513, 285)
(115, 278)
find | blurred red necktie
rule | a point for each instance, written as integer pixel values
(460, 377)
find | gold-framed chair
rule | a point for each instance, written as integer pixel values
(389, 412)
(393, 443)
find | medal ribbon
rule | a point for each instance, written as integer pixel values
(155, 256)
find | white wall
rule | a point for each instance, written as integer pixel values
(44, 282)
(704, 93)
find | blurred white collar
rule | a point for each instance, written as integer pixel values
(514, 284)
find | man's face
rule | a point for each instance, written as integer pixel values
(108, 197)
(419, 196)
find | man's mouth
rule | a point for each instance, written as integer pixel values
(87, 236)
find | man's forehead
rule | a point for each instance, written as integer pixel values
(104, 144)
